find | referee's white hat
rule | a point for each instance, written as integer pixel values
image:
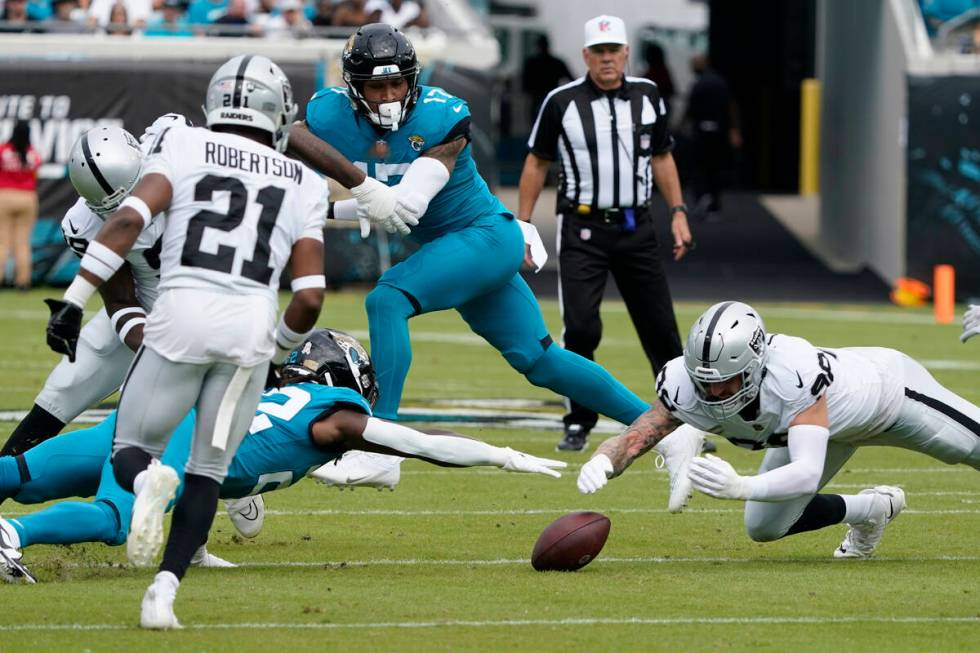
(605, 29)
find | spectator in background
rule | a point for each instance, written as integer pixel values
(324, 14)
(236, 21)
(350, 13)
(713, 121)
(658, 72)
(19, 163)
(172, 20)
(205, 12)
(119, 21)
(290, 21)
(68, 18)
(137, 12)
(542, 73)
(16, 17)
(397, 13)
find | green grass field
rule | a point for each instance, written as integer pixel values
(442, 563)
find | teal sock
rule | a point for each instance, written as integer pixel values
(388, 311)
(587, 383)
(70, 522)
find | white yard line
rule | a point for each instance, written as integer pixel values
(521, 623)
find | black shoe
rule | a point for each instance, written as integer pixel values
(708, 446)
(575, 438)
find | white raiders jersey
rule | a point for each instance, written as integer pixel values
(80, 226)
(238, 207)
(864, 387)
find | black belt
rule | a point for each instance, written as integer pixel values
(606, 216)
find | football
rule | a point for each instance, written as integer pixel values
(570, 542)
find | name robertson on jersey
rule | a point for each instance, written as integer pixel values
(232, 157)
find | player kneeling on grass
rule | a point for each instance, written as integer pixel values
(323, 411)
(811, 407)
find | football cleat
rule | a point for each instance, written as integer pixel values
(677, 451)
(862, 539)
(12, 570)
(157, 608)
(247, 514)
(146, 527)
(361, 469)
(203, 558)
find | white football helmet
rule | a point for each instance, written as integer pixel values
(252, 91)
(728, 339)
(104, 165)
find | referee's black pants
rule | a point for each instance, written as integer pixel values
(588, 250)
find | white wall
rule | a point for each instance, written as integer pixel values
(862, 67)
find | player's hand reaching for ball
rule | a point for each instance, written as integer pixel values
(518, 461)
(595, 474)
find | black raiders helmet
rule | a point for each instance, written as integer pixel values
(332, 358)
(380, 51)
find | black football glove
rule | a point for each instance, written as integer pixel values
(64, 326)
(273, 379)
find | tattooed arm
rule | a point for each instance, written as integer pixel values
(446, 153)
(647, 430)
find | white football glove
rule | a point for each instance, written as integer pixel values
(376, 203)
(161, 123)
(715, 477)
(971, 322)
(595, 474)
(518, 461)
(409, 206)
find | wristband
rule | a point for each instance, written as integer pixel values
(140, 207)
(79, 292)
(309, 281)
(287, 340)
(680, 208)
(101, 261)
(129, 326)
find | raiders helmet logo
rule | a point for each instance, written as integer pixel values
(757, 340)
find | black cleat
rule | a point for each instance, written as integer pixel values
(576, 438)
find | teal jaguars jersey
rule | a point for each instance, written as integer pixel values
(436, 118)
(278, 450)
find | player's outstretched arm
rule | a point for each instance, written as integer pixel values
(807, 443)
(617, 453)
(350, 429)
(322, 156)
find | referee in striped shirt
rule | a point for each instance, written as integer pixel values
(611, 134)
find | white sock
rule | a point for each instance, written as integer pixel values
(166, 577)
(139, 481)
(10, 533)
(857, 507)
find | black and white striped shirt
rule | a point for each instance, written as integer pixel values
(605, 139)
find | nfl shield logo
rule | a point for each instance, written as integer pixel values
(644, 141)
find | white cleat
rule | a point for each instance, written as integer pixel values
(247, 514)
(361, 469)
(862, 539)
(146, 527)
(677, 451)
(203, 558)
(157, 608)
(12, 570)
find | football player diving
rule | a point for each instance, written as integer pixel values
(810, 408)
(323, 409)
(416, 139)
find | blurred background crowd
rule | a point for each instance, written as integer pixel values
(231, 18)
